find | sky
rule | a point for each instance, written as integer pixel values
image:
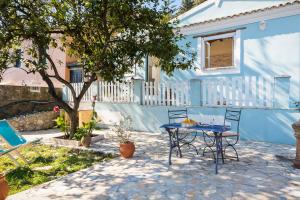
(176, 2)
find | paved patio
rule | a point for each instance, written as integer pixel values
(264, 172)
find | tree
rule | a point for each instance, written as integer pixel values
(186, 5)
(107, 37)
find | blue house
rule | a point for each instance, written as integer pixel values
(248, 56)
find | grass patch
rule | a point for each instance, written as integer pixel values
(54, 162)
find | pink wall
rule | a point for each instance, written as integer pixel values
(16, 76)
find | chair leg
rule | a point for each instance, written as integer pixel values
(38, 153)
(13, 159)
(213, 153)
(236, 153)
(22, 157)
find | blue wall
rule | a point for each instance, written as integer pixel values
(269, 53)
(268, 125)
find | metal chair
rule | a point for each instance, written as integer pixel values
(232, 118)
(177, 114)
(183, 136)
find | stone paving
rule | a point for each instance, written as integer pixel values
(264, 172)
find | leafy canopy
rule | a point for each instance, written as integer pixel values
(107, 37)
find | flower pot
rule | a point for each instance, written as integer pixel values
(4, 189)
(127, 149)
(86, 141)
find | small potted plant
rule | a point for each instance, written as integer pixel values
(89, 127)
(4, 189)
(127, 147)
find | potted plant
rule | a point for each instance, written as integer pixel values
(4, 189)
(127, 147)
(89, 127)
(84, 134)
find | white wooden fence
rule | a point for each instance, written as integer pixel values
(67, 95)
(167, 94)
(246, 91)
(105, 92)
(116, 92)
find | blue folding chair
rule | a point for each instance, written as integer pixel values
(13, 138)
(6, 152)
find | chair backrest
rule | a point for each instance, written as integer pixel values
(10, 135)
(177, 114)
(233, 116)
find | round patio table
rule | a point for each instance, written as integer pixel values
(174, 129)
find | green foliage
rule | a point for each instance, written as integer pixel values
(123, 128)
(57, 162)
(63, 125)
(186, 5)
(108, 37)
(86, 129)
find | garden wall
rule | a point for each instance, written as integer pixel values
(36, 121)
(270, 125)
(10, 93)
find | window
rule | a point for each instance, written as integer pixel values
(76, 76)
(19, 58)
(219, 52)
(35, 89)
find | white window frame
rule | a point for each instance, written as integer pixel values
(35, 89)
(220, 70)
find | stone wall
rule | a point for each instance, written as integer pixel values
(36, 121)
(10, 93)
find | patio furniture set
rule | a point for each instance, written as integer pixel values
(217, 138)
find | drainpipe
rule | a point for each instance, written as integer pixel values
(296, 127)
(146, 68)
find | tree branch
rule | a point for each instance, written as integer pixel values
(53, 93)
(86, 86)
(59, 78)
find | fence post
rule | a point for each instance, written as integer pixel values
(195, 92)
(137, 90)
(65, 95)
(282, 91)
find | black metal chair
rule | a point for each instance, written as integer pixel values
(177, 114)
(232, 118)
(185, 137)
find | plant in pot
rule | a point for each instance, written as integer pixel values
(84, 133)
(4, 189)
(88, 128)
(127, 147)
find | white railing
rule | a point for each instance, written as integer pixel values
(166, 94)
(246, 91)
(105, 92)
(116, 92)
(67, 95)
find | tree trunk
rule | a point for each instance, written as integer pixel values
(73, 123)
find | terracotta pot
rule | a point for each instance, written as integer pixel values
(86, 141)
(4, 189)
(127, 149)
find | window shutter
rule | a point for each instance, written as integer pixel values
(199, 52)
(237, 48)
